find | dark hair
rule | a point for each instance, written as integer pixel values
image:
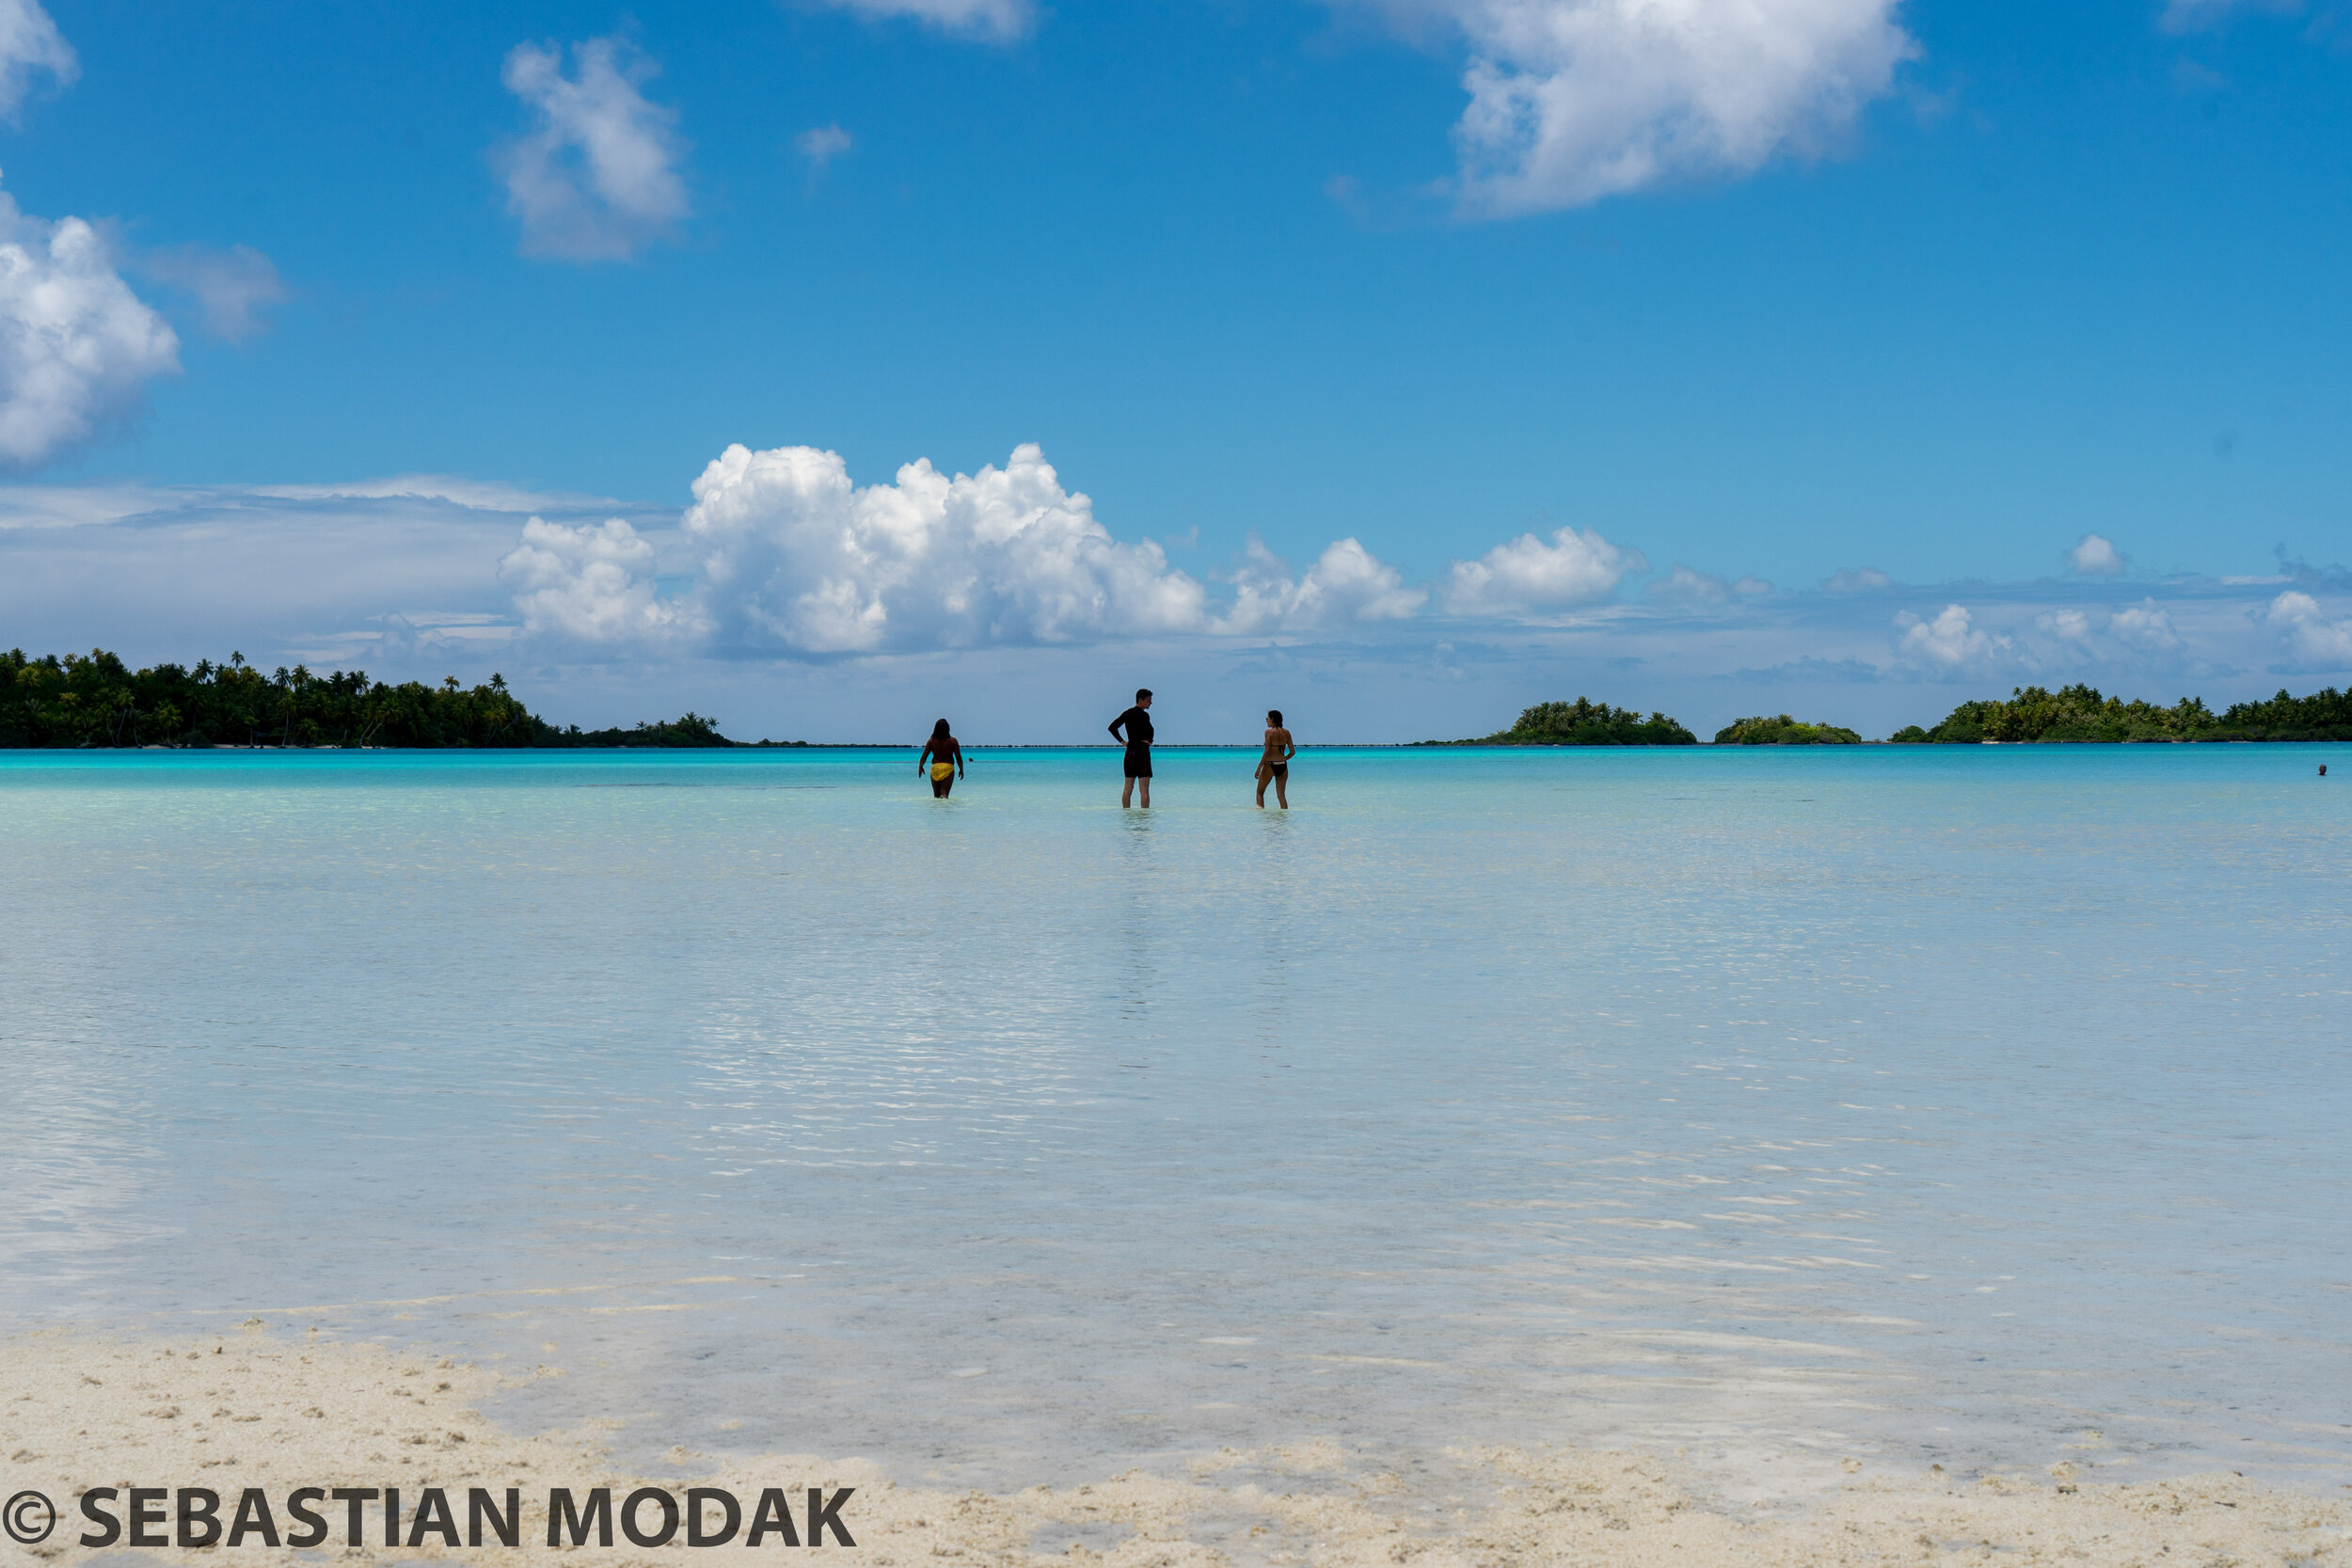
(939, 731)
(1142, 692)
(1274, 716)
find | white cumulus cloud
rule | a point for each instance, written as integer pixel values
(2145, 628)
(995, 20)
(76, 345)
(1950, 642)
(2067, 626)
(230, 287)
(789, 556)
(1572, 101)
(1346, 584)
(1526, 576)
(2137, 632)
(591, 584)
(2094, 556)
(795, 557)
(596, 177)
(2316, 642)
(30, 45)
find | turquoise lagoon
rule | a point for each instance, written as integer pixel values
(1979, 1106)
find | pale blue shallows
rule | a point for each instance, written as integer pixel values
(1952, 1103)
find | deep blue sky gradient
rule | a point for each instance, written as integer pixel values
(2078, 273)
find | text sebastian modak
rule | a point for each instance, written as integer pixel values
(364, 1515)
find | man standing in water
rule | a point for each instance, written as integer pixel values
(1275, 766)
(1136, 722)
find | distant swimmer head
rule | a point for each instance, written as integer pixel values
(1274, 716)
(1143, 696)
(939, 731)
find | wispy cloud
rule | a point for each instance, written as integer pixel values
(1685, 585)
(596, 177)
(1814, 672)
(180, 572)
(2188, 16)
(995, 21)
(30, 48)
(821, 144)
(474, 495)
(229, 288)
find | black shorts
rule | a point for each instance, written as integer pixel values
(1139, 762)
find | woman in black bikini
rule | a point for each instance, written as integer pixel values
(1274, 767)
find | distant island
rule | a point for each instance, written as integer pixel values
(2071, 715)
(1583, 723)
(99, 700)
(1783, 731)
(2081, 714)
(96, 700)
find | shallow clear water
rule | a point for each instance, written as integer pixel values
(1982, 1104)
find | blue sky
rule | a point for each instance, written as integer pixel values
(1920, 294)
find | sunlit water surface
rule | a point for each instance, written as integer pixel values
(1983, 1105)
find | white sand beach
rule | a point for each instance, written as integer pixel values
(276, 1412)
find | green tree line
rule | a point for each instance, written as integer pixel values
(2030, 713)
(1583, 723)
(1783, 731)
(96, 700)
(2084, 714)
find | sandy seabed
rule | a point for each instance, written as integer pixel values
(257, 1410)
